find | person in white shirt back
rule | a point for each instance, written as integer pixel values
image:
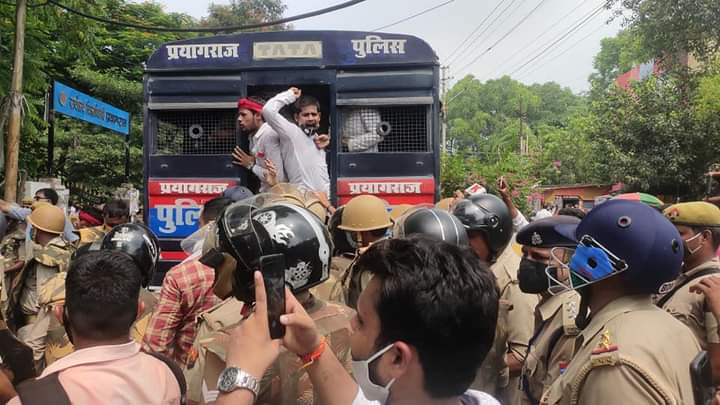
(264, 144)
(302, 147)
(424, 324)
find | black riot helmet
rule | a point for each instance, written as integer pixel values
(487, 214)
(137, 241)
(433, 222)
(248, 233)
(342, 240)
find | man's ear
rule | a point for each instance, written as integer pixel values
(402, 358)
(58, 311)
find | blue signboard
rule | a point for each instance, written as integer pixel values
(290, 49)
(73, 103)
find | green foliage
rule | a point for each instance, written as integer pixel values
(617, 55)
(105, 61)
(669, 28)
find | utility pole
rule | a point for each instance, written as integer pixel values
(15, 119)
(523, 145)
(444, 80)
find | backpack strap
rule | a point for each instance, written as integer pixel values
(701, 273)
(43, 391)
(177, 372)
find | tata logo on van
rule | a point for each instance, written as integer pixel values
(287, 50)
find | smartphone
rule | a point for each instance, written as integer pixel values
(701, 376)
(272, 268)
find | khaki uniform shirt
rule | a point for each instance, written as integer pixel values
(285, 382)
(26, 313)
(690, 309)
(551, 348)
(90, 235)
(333, 289)
(631, 352)
(12, 250)
(513, 332)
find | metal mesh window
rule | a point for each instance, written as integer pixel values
(384, 129)
(209, 132)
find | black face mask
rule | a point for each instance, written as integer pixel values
(532, 277)
(310, 131)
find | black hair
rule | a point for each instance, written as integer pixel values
(440, 299)
(572, 212)
(214, 207)
(304, 101)
(101, 294)
(50, 194)
(116, 209)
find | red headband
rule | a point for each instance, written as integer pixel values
(249, 105)
(84, 216)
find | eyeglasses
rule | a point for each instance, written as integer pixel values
(38, 198)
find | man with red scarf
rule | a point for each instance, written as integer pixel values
(265, 158)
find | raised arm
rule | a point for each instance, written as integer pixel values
(271, 112)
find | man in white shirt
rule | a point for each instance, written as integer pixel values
(264, 143)
(303, 157)
(424, 324)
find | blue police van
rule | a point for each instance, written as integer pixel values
(379, 96)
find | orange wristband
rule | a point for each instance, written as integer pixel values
(309, 359)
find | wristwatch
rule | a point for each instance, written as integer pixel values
(233, 378)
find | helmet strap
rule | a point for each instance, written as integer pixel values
(583, 316)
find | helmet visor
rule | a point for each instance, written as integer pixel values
(588, 264)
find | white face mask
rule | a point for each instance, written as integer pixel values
(697, 248)
(361, 371)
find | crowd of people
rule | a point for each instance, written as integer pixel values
(465, 301)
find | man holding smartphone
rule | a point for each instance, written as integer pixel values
(424, 324)
(288, 244)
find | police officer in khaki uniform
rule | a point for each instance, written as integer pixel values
(48, 254)
(366, 219)
(551, 347)
(12, 259)
(139, 243)
(243, 234)
(699, 226)
(115, 212)
(630, 351)
(344, 249)
(489, 225)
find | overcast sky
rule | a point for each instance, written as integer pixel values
(569, 62)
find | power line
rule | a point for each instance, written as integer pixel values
(475, 30)
(549, 47)
(532, 70)
(208, 29)
(522, 20)
(471, 43)
(414, 15)
(550, 28)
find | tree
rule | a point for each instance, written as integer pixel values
(617, 55)
(669, 28)
(245, 12)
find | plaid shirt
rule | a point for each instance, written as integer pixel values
(186, 293)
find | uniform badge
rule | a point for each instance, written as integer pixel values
(605, 345)
(673, 213)
(536, 239)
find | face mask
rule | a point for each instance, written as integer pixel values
(309, 130)
(688, 250)
(361, 371)
(531, 276)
